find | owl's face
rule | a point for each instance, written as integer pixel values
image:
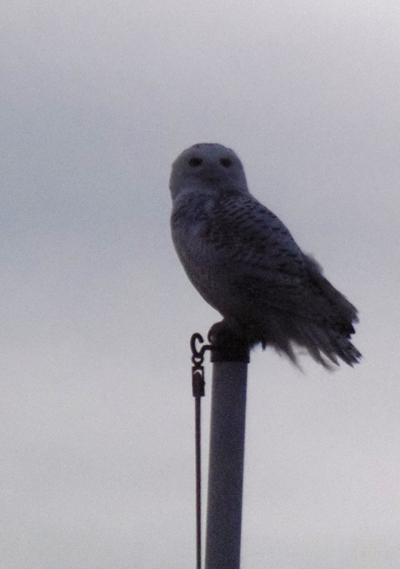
(208, 167)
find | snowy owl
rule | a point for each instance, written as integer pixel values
(245, 263)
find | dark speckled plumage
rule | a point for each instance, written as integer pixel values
(245, 263)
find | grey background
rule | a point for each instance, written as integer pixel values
(97, 99)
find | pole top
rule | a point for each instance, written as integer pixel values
(226, 346)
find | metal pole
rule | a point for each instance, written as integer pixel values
(225, 482)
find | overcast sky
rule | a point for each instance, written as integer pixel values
(97, 100)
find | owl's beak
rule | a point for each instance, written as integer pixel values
(210, 179)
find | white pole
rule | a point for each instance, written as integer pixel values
(225, 482)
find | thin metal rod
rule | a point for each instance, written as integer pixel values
(198, 392)
(198, 479)
(225, 483)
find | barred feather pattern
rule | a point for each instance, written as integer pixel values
(245, 263)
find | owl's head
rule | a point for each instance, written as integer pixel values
(207, 167)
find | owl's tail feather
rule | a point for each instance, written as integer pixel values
(325, 345)
(324, 331)
(333, 333)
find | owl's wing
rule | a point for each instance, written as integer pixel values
(264, 263)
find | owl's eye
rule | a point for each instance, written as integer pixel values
(194, 162)
(225, 162)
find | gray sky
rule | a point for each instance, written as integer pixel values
(96, 410)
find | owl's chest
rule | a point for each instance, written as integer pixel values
(190, 226)
(190, 222)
